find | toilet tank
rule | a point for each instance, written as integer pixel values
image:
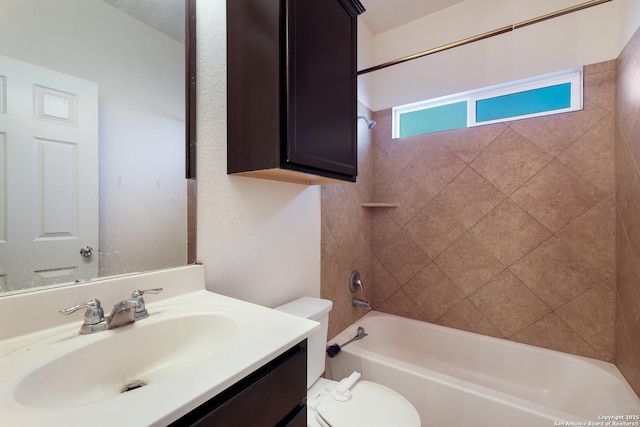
(315, 309)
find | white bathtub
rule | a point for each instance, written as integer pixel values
(458, 378)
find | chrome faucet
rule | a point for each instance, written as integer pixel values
(125, 312)
(359, 302)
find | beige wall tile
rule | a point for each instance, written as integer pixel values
(468, 264)
(628, 192)
(593, 235)
(401, 304)
(634, 341)
(509, 233)
(381, 134)
(556, 132)
(627, 101)
(556, 273)
(592, 316)
(469, 197)
(433, 292)
(467, 317)
(435, 168)
(593, 156)
(552, 332)
(426, 146)
(332, 203)
(510, 161)
(392, 184)
(628, 281)
(434, 229)
(556, 196)
(625, 358)
(395, 249)
(600, 67)
(469, 143)
(383, 285)
(599, 86)
(508, 304)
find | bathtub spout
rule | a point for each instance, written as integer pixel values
(358, 302)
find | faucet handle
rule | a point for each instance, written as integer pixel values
(138, 293)
(93, 315)
(141, 311)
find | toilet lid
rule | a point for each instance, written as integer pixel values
(371, 405)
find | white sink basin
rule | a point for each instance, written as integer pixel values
(190, 348)
(145, 351)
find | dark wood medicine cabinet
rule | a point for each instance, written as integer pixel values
(292, 89)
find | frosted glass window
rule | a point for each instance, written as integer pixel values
(533, 101)
(434, 119)
(554, 93)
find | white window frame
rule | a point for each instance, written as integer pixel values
(572, 75)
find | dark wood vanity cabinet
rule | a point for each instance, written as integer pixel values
(292, 89)
(273, 395)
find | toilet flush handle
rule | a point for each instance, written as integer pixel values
(341, 393)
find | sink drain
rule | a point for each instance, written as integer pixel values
(132, 385)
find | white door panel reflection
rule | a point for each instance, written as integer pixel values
(50, 147)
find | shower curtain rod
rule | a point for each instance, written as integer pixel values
(496, 32)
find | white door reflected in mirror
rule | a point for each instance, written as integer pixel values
(141, 196)
(49, 138)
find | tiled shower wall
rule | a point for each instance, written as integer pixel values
(506, 230)
(346, 236)
(628, 212)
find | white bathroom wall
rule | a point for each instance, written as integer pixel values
(258, 240)
(365, 59)
(142, 185)
(630, 12)
(585, 37)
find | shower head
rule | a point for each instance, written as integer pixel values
(370, 123)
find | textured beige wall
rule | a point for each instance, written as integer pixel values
(506, 230)
(628, 212)
(258, 240)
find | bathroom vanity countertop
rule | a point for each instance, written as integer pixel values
(42, 386)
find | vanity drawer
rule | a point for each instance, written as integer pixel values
(273, 395)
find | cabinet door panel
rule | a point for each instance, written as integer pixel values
(253, 84)
(321, 74)
(271, 396)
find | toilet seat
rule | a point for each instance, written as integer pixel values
(371, 405)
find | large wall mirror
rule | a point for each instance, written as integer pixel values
(92, 140)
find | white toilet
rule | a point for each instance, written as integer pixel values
(351, 402)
